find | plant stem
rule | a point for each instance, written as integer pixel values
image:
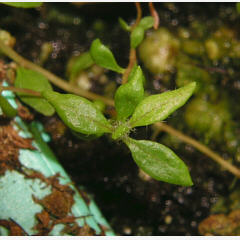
(132, 61)
(154, 15)
(132, 55)
(21, 90)
(67, 87)
(202, 148)
(51, 77)
(139, 15)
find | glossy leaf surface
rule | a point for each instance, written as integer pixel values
(35, 81)
(78, 113)
(23, 4)
(160, 162)
(7, 108)
(158, 107)
(136, 36)
(129, 94)
(104, 57)
(146, 22)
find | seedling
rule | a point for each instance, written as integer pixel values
(132, 107)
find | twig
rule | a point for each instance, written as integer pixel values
(154, 15)
(21, 90)
(51, 77)
(202, 148)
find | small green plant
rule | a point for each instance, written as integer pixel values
(133, 108)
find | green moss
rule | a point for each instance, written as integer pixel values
(193, 47)
(189, 73)
(158, 51)
(207, 118)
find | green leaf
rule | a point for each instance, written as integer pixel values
(159, 162)
(136, 36)
(129, 94)
(23, 4)
(104, 57)
(80, 63)
(7, 108)
(124, 25)
(78, 113)
(146, 22)
(35, 81)
(158, 107)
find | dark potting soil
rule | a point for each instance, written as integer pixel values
(105, 168)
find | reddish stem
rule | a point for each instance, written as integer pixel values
(154, 15)
(132, 54)
(132, 61)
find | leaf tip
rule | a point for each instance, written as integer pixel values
(189, 182)
(192, 86)
(185, 179)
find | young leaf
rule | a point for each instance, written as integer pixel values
(35, 81)
(146, 22)
(7, 108)
(80, 63)
(124, 25)
(78, 113)
(159, 162)
(23, 4)
(129, 94)
(136, 36)
(158, 107)
(104, 57)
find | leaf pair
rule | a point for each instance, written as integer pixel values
(99, 54)
(103, 55)
(129, 101)
(137, 34)
(153, 158)
(77, 113)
